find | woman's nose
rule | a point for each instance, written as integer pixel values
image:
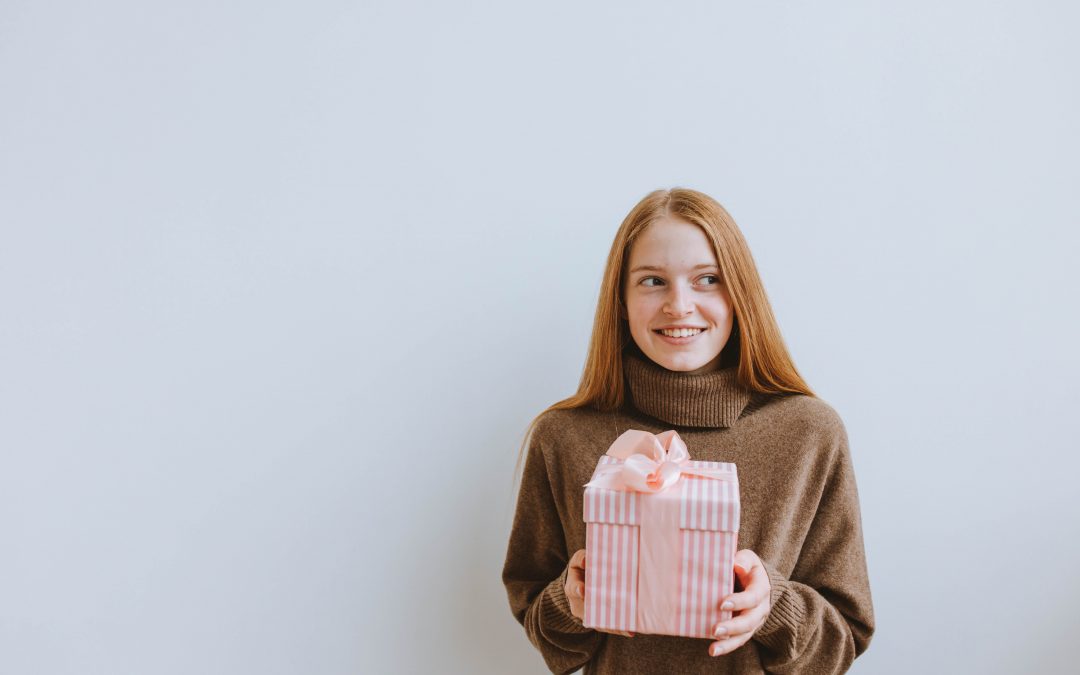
(678, 301)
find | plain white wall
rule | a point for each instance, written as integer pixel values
(281, 285)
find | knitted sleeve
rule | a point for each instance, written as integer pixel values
(822, 616)
(535, 573)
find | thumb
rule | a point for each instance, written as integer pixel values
(744, 561)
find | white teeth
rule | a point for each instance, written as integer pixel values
(681, 332)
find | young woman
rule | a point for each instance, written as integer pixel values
(684, 338)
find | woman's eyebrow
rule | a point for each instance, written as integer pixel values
(657, 268)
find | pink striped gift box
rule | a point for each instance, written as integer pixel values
(661, 562)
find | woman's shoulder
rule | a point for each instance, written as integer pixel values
(803, 414)
(584, 426)
(796, 430)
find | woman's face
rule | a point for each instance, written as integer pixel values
(673, 280)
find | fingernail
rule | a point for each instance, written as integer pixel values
(720, 630)
(727, 605)
(714, 650)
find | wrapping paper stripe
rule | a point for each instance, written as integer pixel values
(706, 577)
(709, 504)
(611, 576)
(617, 507)
(702, 464)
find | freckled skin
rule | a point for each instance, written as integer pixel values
(677, 294)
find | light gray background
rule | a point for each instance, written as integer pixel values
(282, 284)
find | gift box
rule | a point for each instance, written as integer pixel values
(660, 538)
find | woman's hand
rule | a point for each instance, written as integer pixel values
(750, 607)
(575, 589)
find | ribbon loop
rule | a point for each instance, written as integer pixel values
(651, 463)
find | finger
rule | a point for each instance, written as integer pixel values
(575, 590)
(749, 570)
(746, 562)
(727, 646)
(578, 559)
(575, 583)
(755, 591)
(746, 622)
(748, 599)
(744, 558)
(575, 575)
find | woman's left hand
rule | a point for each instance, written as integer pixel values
(750, 607)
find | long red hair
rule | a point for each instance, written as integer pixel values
(764, 364)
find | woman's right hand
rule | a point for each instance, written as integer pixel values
(575, 589)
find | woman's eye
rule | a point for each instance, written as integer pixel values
(715, 280)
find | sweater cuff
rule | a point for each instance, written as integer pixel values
(786, 615)
(555, 608)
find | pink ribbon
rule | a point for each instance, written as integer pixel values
(651, 463)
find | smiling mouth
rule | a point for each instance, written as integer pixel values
(681, 337)
(661, 332)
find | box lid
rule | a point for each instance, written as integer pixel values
(710, 504)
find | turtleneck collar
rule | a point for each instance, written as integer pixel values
(712, 399)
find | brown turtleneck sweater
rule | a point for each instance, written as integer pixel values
(800, 514)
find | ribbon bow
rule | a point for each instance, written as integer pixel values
(651, 463)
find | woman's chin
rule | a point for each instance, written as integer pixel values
(679, 363)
